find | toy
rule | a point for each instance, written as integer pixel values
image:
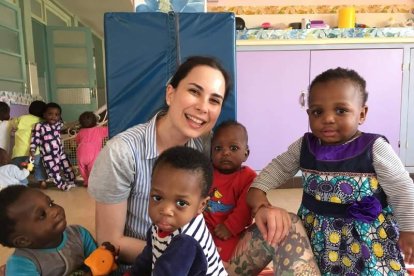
(29, 165)
(102, 261)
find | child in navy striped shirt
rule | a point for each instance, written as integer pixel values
(178, 242)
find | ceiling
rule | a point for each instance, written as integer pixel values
(91, 12)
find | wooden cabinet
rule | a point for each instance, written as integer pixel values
(270, 84)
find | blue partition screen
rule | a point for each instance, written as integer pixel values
(143, 50)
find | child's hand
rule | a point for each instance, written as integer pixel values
(406, 243)
(222, 232)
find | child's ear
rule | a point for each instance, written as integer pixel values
(363, 114)
(203, 205)
(246, 153)
(21, 241)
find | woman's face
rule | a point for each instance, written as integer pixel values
(195, 104)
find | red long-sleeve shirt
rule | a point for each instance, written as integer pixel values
(228, 206)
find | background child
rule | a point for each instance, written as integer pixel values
(46, 136)
(23, 127)
(351, 180)
(11, 174)
(227, 213)
(36, 227)
(89, 140)
(178, 242)
(5, 126)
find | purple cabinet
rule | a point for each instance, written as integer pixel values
(270, 85)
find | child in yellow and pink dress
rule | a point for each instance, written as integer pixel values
(89, 140)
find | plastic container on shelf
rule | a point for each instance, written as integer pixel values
(346, 17)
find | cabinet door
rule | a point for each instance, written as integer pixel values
(269, 86)
(382, 70)
(409, 145)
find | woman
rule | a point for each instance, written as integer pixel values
(120, 179)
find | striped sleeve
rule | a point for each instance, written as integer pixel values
(280, 169)
(396, 183)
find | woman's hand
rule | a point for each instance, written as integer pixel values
(274, 223)
(222, 232)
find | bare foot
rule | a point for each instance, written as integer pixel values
(43, 185)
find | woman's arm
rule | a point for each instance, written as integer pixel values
(110, 223)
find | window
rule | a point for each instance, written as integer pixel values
(12, 60)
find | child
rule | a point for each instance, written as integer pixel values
(351, 180)
(11, 174)
(23, 127)
(5, 126)
(178, 242)
(89, 140)
(36, 227)
(46, 136)
(227, 213)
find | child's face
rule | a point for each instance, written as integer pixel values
(175, 197)
(39, 222)
(229, 149)
(52, 115)
(335, 111)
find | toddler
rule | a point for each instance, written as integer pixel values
(89, 140)
(5, 126)
(358, 200)
(11, 174)
(227, 213)
(178, 242)
(23, 127)
(36, 226)
(46, 136)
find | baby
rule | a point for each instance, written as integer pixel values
(178, 241)
(33, 224)
(227, 214)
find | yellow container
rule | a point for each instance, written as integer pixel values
(346, 17)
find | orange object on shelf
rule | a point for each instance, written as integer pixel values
(346, 17)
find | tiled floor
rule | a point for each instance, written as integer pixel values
(80, 208)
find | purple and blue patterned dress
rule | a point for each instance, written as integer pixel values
(344, 209)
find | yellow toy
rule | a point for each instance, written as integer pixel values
(29, 165)
(102, 261)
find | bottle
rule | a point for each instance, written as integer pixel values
(346, 17)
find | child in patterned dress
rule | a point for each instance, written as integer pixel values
(46, 136)
(358, 200)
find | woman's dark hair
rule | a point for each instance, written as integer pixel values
(189, 159)
(8, 196)
(87, 119)
(52, 105)
(341, 74)
(194, 61)
(4, 111)
(36, 108)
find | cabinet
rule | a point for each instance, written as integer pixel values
(271, 83)
(409, 143)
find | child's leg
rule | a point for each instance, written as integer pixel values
(83, 171)
(294, 256)
(67, 168)
(39, 169)
(53, 170)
